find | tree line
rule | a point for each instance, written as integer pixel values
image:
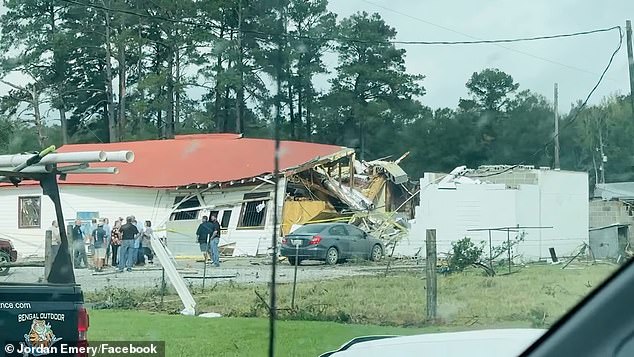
(120, 70)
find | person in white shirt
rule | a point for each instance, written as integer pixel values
(56, 239)
(146, 243)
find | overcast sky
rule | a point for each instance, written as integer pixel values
(574, 63)
(447, 68)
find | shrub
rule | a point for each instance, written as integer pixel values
(465, 253)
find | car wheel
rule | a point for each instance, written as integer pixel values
(377, 253)
(292, 261)
(332, 256)
(4, 258)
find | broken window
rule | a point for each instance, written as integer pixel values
(189, 206)
(215, 214)
(29, 212)
(226, 217)
(253, 213)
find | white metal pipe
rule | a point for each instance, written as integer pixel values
(119, 156)
(13, 160)
(36, 169)
(96, 170)
(74, 169)
(75, 157)
(69, 157)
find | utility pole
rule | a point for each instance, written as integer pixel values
(555, 110)
(430, 276)
(630, 60)
(604, 158)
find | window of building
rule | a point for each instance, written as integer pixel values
(226, 217)
(189, 206)
(29, 212)
(253, 213)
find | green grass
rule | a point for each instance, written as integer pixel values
(196, 336)
(536, 295)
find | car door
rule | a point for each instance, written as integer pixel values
(340, 239)
(360, 242)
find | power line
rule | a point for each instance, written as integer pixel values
(270, 35)
(477, 38)
(509, 40)
(573, 119)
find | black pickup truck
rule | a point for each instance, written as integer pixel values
(46, 319)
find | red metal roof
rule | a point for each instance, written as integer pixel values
(196, 159)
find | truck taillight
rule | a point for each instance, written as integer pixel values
(83, 322)
(315, 240)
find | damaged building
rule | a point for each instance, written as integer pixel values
(552, 205)
(611, 220)
(321, 189)
(173, 183)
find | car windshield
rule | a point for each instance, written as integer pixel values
(474, 159)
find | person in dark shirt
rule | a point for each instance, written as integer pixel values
(214, 240)
(99, 242)
(126, 255)
(202, 236)
(79, 247)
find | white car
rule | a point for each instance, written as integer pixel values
(485, 343)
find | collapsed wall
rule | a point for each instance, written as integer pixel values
(552, 205)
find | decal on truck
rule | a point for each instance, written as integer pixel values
(41, 316)
(40, 338)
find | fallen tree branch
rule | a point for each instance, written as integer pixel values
(487, 269)
(263, 300)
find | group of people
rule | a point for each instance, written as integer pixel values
(208, 237)
(123, 245)
(128, 243)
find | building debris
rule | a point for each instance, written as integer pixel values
(376, 196)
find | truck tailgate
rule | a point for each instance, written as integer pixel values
(39, 314)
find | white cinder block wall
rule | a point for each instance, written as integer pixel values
(559, 199)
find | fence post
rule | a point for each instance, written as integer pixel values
(48, 254)
(431, 275)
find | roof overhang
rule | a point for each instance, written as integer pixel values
(319, 161)
(267, 177)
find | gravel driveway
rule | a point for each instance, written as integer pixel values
(239, 270)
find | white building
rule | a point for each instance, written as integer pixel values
(224, 173)
(522, 197)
